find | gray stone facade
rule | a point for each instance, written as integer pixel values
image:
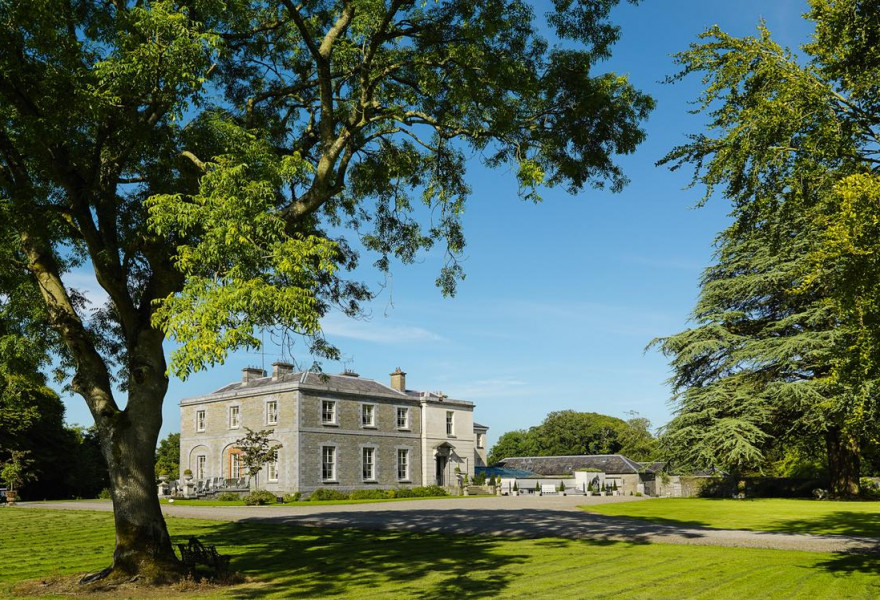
(339, 431)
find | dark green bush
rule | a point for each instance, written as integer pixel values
(259, 498)
(104, 494)
(368, 495)
(228, 497)
(328, 494)
(294, 497)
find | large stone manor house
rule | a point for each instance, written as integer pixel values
(342, 431)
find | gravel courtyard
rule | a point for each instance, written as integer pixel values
(523, 516)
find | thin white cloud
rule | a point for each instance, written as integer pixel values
(378, 333)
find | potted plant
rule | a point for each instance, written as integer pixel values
(515, 489)
(15, 473)
(614, 488)
(464, 484)
(188, 474)
(562, 488)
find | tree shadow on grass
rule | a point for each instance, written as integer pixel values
(850, 563)
(310, 562)
(835, 523)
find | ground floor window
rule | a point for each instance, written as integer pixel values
(201, 462)
(403, 464)
(235, 465)
(272, 467)
(369, 464)
(328, 463)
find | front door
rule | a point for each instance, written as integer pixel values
(441, 470)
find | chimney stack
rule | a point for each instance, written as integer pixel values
(249, 374)
(280, 369)
(398, 380)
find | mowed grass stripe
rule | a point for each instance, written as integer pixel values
(297, 562)
(762, 514)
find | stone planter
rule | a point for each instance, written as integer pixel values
(11, 497)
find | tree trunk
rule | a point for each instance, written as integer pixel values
(143, 546)
(843, 463)
(128, 443)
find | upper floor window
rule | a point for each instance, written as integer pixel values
(328, 412)
(234, 417)
(271, 412)
(402, 417)
(450, 422)
(369, 464)
(200, 420)
(368, 415)
(480, 440)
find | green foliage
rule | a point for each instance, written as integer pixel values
(294, 497)
(259, 498)
(18, 470)
(168, 456)
(229, 497)
(104, 494)
(256, 450)
(783, 348)
(328, 494)
(149, 143)
(568, 432)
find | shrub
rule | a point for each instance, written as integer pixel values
(869, 488)
(561, 487)
(480, 479)
(638, 493)
(104, 494)
(515, 487)
(368, 495)
(402, 493)
(228, 497)
(294, 497)
(328, 494)
(614, 486)
(429, 490)
(259, 498)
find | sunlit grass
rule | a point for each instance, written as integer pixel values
(763, 514)
(284, 561)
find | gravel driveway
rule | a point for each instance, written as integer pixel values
(524, 516)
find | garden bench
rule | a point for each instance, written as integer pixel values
(548, 488)
(195, 553)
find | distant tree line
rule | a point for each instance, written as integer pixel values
(568, 432)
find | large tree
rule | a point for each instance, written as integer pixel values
(786, 136)
(569, 432)
(215, 164)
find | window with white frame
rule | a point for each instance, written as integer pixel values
(328, 463)
(235, 465)
(368, 415)
(369, 463)
(200, 420)
(480, 440)
(402, 417)
(271, 412)
(201, 463)
(328, 412)
(450, 422)
(272, 467)
(402, 464)
(234, 417)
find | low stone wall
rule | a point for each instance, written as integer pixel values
(683, 486)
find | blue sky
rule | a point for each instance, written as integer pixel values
(560, 298)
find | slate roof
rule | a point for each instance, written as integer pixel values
(565, 465)
(652, 467)
(337, 383)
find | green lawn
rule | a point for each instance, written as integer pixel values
(292, 562)
(766, 514)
